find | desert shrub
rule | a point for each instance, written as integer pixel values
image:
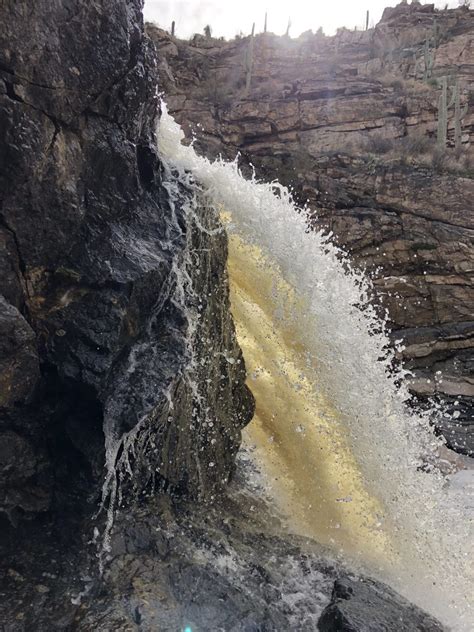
(417, 144)
(445, 160)
(461, 164)
(214, 90)
(438, 159)
(377, 144)
(397, 84)
(423, 245)
(402, 85)
(468, 163)
(331, 68)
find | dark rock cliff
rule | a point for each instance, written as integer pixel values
(97, 327)
(351, 123)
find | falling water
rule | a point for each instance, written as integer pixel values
(346, 457)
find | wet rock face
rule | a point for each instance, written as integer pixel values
(19, 363)
(350, 123)
(363, 605)
(94, 327)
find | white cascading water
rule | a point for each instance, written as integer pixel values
(424, 514)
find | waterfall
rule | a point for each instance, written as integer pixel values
(331, 409)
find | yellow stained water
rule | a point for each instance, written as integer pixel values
(298, 441)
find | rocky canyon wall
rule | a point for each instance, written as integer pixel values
(114, 310)
(352, 123)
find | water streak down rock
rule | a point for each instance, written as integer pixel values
(94, 321)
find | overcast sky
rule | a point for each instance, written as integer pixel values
(229, 17)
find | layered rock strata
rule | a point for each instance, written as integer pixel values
(351, 122)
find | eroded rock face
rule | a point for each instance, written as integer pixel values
(351, 124)
(94, 324)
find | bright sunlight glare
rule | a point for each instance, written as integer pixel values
(228, 18)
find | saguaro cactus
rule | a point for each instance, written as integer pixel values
(429, 57)
(249, 61)
(443, 107)
(459, 113)
(436, 33)
(417, 64)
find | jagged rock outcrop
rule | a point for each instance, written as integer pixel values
(97, 289)
(351, 123)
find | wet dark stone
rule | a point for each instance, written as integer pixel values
(19, 363)
(227, 565)
(364, 605)
(90, 253)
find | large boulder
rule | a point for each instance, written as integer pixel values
(359, 604)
